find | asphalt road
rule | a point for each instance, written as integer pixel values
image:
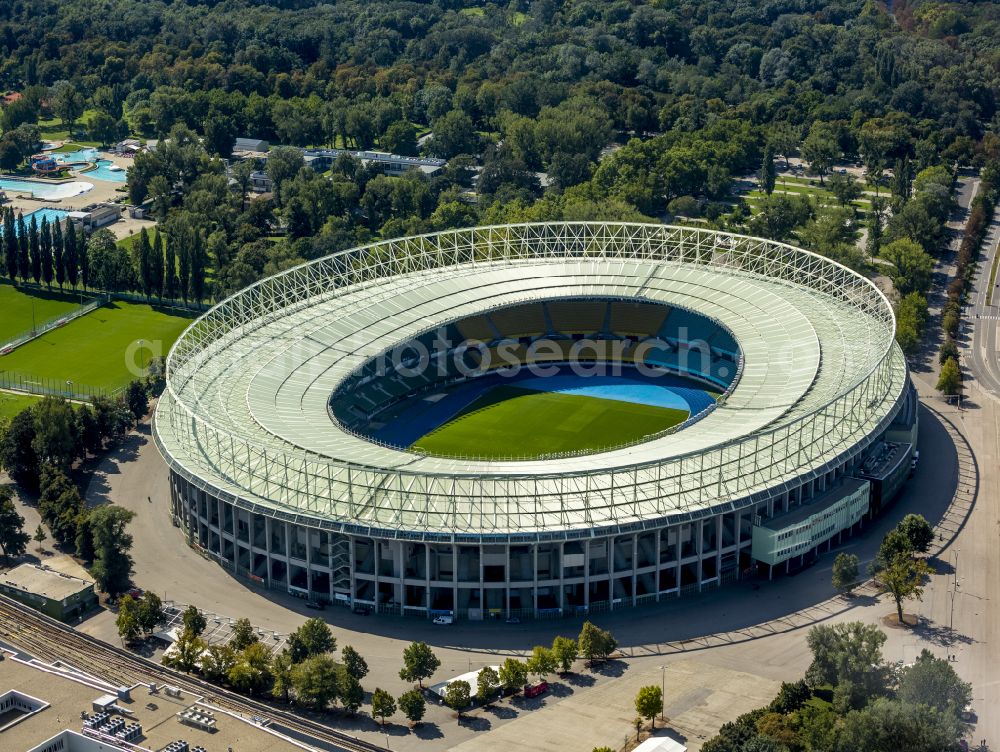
(981, 324)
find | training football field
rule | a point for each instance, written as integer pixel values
(20, 307)
(100, 349)
(510, 421)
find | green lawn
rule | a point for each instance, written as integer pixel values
(129, 240)
(55, 129)
(19, 304)
(12, 404)
(100, 349)
(511, 421)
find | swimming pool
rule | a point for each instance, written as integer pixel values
(53, 215)
(101, 172)
(51, 191)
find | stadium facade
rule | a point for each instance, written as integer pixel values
(266, 422)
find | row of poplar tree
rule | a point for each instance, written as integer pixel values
(57, 252)
(43, 253)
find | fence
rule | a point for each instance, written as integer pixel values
(54, 322)
(32, 384)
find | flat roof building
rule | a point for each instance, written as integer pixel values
(56, 708)
(61, 596)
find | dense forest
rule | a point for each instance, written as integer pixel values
(545, 110)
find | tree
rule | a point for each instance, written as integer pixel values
(187, 651)
(217, 661)
(45, 252)
(848, 655)
(169, 270)
(34, 250)
(156, 266)
(39, 537)
(243, 635)
(350, 692)
(17, 451)
(903, 579)
(767, 174)
(56, 440)
(315, 680)
(784, 137)
(59, 253)
(383, 705)
(194, 621)
(890, 725)
(252, 673)
(313, 638)
(399, 138)
(68, 103)
(917, 531)
(844, 188)
(845, 572)
(513, 675)
(144, 253)
(950, 379)
(127, 621)
(10, 244)
(71, 255)
(413, 705)
(419, 663)
(457, 695)
(356, 665)
(565, 651)
(933, 682)
(283, 164)
(487, 684)
(454, 134)
(13, 539)
(109, 266)
(150, 611)
(542, 661)
(913, 265)
(595, 643)
(649, 703)
(136, 399)
(112, 562)
(820, 149)
(281, 668)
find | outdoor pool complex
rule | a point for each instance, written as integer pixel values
(43, 190)
(101, 172)
(344, 430)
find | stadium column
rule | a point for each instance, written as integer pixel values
(699, 545)
(454, 576)
(635, 565)
(534, 579)
(562, 581)
(586, 575)
(376, 551)
(718, 550)
(427, 575)
(354, 582)
(659, 564)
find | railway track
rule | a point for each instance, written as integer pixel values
(47, 639)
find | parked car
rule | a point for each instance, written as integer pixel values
(533, 690)
(444, 620)
(136, 593)
(315, 606)
(359, 609)
(513, 620)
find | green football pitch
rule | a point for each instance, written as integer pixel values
(12, 404)
(509, 421)
(100, 349)
(19, 307)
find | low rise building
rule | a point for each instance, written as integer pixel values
(250, 144)
(56, 708)
(800, 532)
(95, 216)
(61, 596)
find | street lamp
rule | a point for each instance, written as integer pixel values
(663, 693)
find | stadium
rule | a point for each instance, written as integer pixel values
(536, 420)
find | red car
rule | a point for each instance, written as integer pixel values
(533, 690)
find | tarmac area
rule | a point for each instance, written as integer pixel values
(724, 652)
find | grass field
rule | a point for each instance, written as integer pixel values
(12, 404)
(98, 349)
(17, 303)
(510, 421)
